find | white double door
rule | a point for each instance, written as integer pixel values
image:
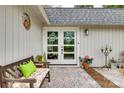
(60, 46)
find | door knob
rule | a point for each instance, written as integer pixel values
(61, 50)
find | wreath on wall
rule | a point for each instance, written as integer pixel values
(26, 21)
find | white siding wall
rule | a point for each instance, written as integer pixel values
(91, 45)
(16, 42)
(2, 35)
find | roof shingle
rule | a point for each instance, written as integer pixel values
(85, 16)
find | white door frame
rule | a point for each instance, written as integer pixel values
(59, 29)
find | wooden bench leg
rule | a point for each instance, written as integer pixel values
(49, 76)
(31, 85)
(4, 85)
(42, 83)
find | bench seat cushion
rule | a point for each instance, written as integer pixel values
(39, 75)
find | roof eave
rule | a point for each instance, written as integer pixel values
(42, 11)
(87, 25)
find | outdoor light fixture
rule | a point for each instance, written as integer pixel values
(86, 31)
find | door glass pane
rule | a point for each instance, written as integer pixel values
(52, 45)
(52, 48)
(52, 38)
(68, 56)
(68, 34)
(52, 42)
(69, 42)
(68, 48)
(68, 37)
(52, 56)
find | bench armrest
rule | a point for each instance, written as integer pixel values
(31, 81)
(42, 64)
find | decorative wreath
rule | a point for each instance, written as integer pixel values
(26, 21)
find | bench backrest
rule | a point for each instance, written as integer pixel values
(11, 70)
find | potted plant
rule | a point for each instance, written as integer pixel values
(86, 61)
(38, 58)
(112, 63)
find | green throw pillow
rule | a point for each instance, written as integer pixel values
(28, 68)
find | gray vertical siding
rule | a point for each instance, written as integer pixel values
(15, 41)
(91, 45)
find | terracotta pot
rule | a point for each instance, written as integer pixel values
(85, 65)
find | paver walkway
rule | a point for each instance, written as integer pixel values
(70, 78)
(114, 75)
(104, 82)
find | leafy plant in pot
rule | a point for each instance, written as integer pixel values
(112, 63)
(86, 61)
(38, 58)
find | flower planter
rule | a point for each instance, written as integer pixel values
(85, 65)
(86, 61)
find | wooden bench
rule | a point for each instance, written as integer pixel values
(10, 75)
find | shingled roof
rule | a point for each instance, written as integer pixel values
(79, 16)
